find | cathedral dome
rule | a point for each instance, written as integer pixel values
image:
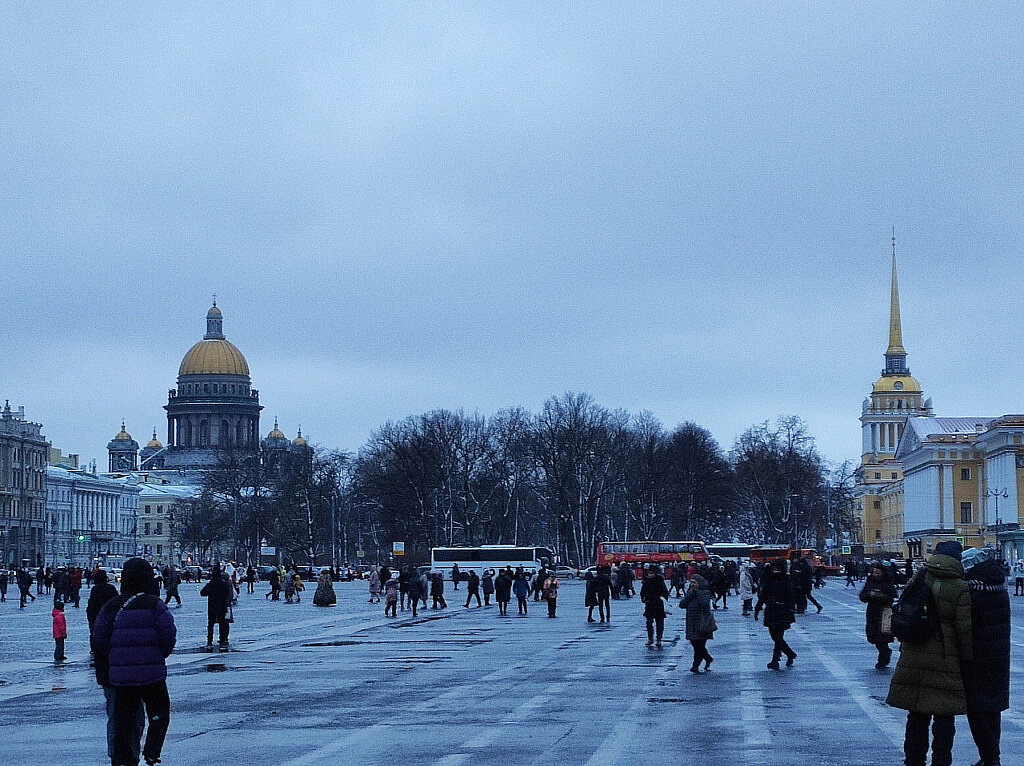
(214, 356)
(154, 443)
(300, 440)
(123, 436)
(277, 434)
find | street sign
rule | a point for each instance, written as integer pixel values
(361, 554)
(398, 549)
(846, 550)
(268, 550)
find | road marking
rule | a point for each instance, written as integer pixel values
(757, 738)
(350, 740)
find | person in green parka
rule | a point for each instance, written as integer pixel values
(928, 683)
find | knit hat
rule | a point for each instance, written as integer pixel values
(950, 548)
(137, 577)
(974, 556)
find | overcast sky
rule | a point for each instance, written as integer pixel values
(683, 207)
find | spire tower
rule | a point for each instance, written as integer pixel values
(896, 354)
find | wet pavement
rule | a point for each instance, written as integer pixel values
(345, 685)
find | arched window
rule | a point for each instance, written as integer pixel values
(222, 437)
(188, 434)
(204, 433)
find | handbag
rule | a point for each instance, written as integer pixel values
(886, 623)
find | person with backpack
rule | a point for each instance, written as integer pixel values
(218, 591)
(932, 620)
(879, 593)
(987, 673)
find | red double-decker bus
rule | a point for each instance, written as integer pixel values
(641, 553)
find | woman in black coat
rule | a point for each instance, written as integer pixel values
(878, 593)
(987, 673)
(654, 594)
(778, 600)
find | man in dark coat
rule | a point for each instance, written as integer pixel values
(131, 638)
(102, 592)
(987, 673)
(603, 589)
(654, 593)
(25, 586)
(219, 592)
(473, 589)
(878, 593)
(171, 581)
(455, 576)
(437, 591)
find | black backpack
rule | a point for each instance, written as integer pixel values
(915, 617)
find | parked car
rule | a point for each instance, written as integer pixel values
(114, 574)
(263, 572)
(565, 573)
(582, 574)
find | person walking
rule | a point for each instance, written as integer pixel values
(25, 586)
(746, 591)
(40, 578)
(324, 595)
(4, 580)
(250, 579)
(987, 673)
(60, 631)
(590, 596)
(538, 582)
(132, 637)
(928, 683)
(879, 593)
(613, 575)
(1018, 578)
(391, 593)
(654, 593)
(218, 592)
(414, 589)
(550, 593)
(700, 623)
(626, 579)
(456, 575)
(473, 589)
(851, 572)
(374, 585)
(404, 575)
(275, 585)
(48, 580)
(171, 582)
(487, 585)
(603, 590)
(102, 591)
(775, 596)
(75, 586)
(437, 591)
(521, 587)
(503, 590)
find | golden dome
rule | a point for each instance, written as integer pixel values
(154, 443)
(214, 313)
(214, 356)
(902, 384)
(123, 436)
(300, 440)
(277, 433)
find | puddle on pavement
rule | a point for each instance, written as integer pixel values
(215, 667)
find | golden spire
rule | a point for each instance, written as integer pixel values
(895, 326)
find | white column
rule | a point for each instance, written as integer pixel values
(947, 520)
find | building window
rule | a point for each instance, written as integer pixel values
(159, 509)
(965, 474)
(159, 550)
(878, 534)
(966, 513)
(878, 475)
(895, 475)
(159, 528)
(147, 509)
(145, 528)
(878, 504)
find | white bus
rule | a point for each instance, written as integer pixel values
(495, 557)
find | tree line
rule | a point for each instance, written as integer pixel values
(566, 477)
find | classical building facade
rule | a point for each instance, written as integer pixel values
(213, 405)
(90, 519)
(23, 458)
(924, 479)
(158, 506)
(123, 452)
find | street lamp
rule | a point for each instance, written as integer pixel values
(997, 493)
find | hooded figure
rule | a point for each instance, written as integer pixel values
(132, 636)
(102, 592)
(324, 595)
(928, 681)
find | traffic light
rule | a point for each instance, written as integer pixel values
(81, 538)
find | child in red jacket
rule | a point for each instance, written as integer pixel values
(60, 631)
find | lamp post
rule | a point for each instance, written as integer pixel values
(996, 493)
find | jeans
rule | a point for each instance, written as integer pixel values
(778, 634)
(127, 701)
(174, 595)
(552, 603)
(652, 623)
(604, 608)
(222, 622)
(700, 652)
(915, 744)
(471, 595)
(137, 727)
(522, 604)
(58, 650)
(985, 728)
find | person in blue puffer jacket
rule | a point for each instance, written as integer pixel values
(131, 638)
